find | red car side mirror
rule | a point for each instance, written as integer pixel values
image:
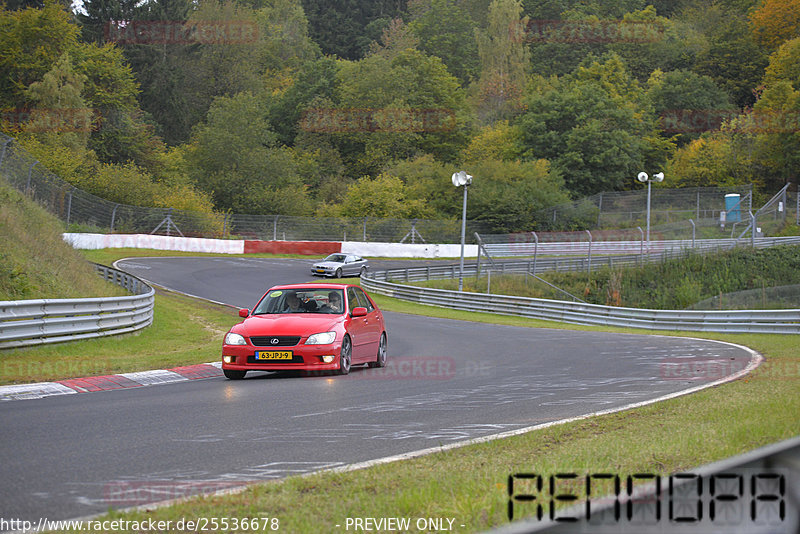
(244, 312)
(359, 312)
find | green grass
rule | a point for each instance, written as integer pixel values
(35, 262)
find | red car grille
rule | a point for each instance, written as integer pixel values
(269, 341)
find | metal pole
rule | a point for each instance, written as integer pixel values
(698, 204)
(30, 171)
(599, 209)
(69, 206)
(641, 243)
(113, 216)
(648, 215)
(3, 154)
(589, 259)
(535, 250)
(463, 237)
(693, 232)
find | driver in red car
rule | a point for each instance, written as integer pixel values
(292, 303)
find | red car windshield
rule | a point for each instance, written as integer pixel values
(311, 300)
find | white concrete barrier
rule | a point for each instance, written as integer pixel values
(407, 250)
(235, 246)
(156, 242)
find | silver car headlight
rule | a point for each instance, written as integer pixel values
(323, 338)
(234, 339)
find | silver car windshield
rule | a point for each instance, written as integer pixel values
(338, 258)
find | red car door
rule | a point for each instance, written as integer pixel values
(363, 329)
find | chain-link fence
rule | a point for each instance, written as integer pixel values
(675, 214)
(82, 211)
(764, 298)
(625, 209)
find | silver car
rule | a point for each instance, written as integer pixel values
(340, 264)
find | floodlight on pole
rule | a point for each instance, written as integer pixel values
(643, 177)
(461, 178)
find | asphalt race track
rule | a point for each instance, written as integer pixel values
(77, 455)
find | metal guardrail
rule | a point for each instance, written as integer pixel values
(530, 248)
(36, 322)
(735, 321)
(535, 264)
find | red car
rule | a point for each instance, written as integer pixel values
(319, 327)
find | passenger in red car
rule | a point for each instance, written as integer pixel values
(334, 304)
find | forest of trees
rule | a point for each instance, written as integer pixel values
(366, 107)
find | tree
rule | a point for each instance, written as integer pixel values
(384, 197)
(235, 157)
(775, 21)
(508, 195)
(445, 29)
(500, 142)
(121, 133)
(97, 17)
(774, 118)
(648, 42)
(683, 93)
(32, 40)
(595, 127)
(710, 161)
(504, 60)
(345, 28)
(393, 109)
(220, 68)
(315, 79)
(285, 42)
(157, 62)
(732, 58)
(396, 38)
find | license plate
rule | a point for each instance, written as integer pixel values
(320, 270)
(262, 355)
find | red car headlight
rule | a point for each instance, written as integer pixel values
(323, 338)
(234, 339)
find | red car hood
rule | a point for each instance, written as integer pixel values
(298, 324)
